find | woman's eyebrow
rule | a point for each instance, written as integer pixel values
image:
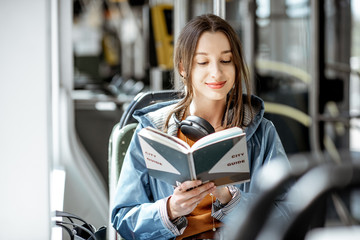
(226, 51)
(201, 53)
(204, 53)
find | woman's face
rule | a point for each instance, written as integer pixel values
(213, 69)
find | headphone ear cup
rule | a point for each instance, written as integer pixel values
(202, 123)
(194, 127)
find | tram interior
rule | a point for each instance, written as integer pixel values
(304, 60)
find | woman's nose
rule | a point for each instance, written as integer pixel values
(215, 70)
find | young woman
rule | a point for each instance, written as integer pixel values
(209, 59)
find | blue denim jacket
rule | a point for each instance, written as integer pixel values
(139, 199)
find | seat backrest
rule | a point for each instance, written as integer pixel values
(144, 99)
(118, 144)
(119, 141)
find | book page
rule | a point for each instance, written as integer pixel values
(154, 160)
(235, 160)
(223, 162)
(164, 161)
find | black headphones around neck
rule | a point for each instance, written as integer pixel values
(194, 127)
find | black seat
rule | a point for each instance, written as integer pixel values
(308, 196)
(311, 183)
(144, 99)
(273, 180)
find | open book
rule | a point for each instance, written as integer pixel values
(220, 157)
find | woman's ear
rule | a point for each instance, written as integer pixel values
(181, 70)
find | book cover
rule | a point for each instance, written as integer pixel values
(220, 157)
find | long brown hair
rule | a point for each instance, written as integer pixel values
(184, 53)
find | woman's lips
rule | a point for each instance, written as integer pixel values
(216, 85)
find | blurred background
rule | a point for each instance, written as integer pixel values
(70, 68)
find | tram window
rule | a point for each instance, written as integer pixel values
(355, 77)
(282, 69)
